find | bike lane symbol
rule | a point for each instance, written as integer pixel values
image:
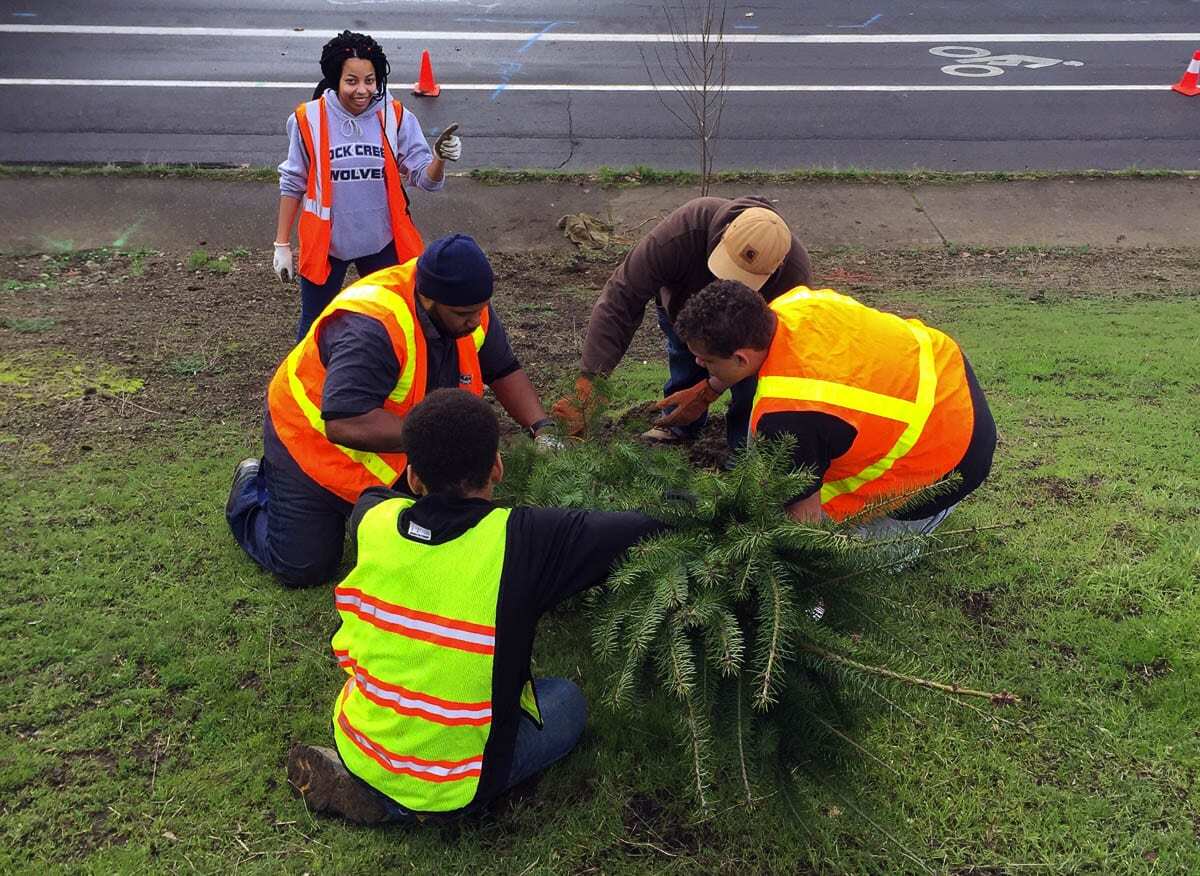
(975, 61)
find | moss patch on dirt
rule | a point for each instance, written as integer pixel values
(59, 376)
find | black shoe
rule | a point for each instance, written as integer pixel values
(318, 776)
(245, 471)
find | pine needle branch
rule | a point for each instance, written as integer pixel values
(971, 530)
(719, 603)
(697, 740)
(741, 748)
(882, 567)
(1002, 698)
(842, 736)
(904, 850)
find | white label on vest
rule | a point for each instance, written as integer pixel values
(419, 532)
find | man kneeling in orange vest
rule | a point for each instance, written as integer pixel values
(878, 406)
(336, 404)
(439, 713)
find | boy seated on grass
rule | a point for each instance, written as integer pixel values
(440, 712)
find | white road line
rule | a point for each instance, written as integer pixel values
(534, 86)
(568, 37)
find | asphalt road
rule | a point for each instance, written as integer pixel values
(568, 85)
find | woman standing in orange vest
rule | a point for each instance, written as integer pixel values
(351, 149)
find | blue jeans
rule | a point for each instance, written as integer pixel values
(685, 372)
(564, 715)
(314, 298)
(290, 528)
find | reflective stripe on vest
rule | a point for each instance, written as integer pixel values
(864, 466)
(417, 638)
(470, 377)
(316, 214)
(407, 702)
(294, 395)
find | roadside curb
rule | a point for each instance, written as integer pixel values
(50, 214)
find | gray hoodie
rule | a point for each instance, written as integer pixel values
(361, 224)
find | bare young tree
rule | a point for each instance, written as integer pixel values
(695, 71)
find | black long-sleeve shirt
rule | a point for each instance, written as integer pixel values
(550, 554)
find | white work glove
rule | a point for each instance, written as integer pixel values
(448, 145)
(283, 262)
(547, 443)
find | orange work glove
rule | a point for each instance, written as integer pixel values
(690, 404)
(573, 412)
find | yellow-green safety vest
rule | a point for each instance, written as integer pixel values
(417, 639)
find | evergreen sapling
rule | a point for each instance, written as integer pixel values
(723, 611)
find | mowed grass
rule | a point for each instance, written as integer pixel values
(155, 678)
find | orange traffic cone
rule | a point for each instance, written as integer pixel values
(1190, 83)
(426, 85)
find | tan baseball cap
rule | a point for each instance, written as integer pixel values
(752, 247)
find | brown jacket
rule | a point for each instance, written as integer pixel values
(671, 264)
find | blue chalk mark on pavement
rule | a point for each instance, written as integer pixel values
(870, 21)
(541, 33)
(513, 67)
(506, 74)
(540, 22)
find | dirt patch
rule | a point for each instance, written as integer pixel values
(1148, 672)
(250, 680)
(976, 605)
(711, 448)
(103, 756)
(241, 608)
(1058, 489)
(98, 349)
(1121, 531)
(708, 450)
(58, 776)
(100, 834)
(103, 348)
(653, 830)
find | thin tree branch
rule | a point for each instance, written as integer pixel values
(908, 853)
(741, 751)
(1012, 524)
(840, 735)
(1003, 698)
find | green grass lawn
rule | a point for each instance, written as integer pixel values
(154, 678)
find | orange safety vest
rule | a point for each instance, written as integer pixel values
(316, 216)
(899, 383)
(294, 395)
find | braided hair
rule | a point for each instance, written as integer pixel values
(348, 45)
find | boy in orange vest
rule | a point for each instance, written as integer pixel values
(877, 406)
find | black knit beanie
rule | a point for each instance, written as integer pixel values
(454, 271)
